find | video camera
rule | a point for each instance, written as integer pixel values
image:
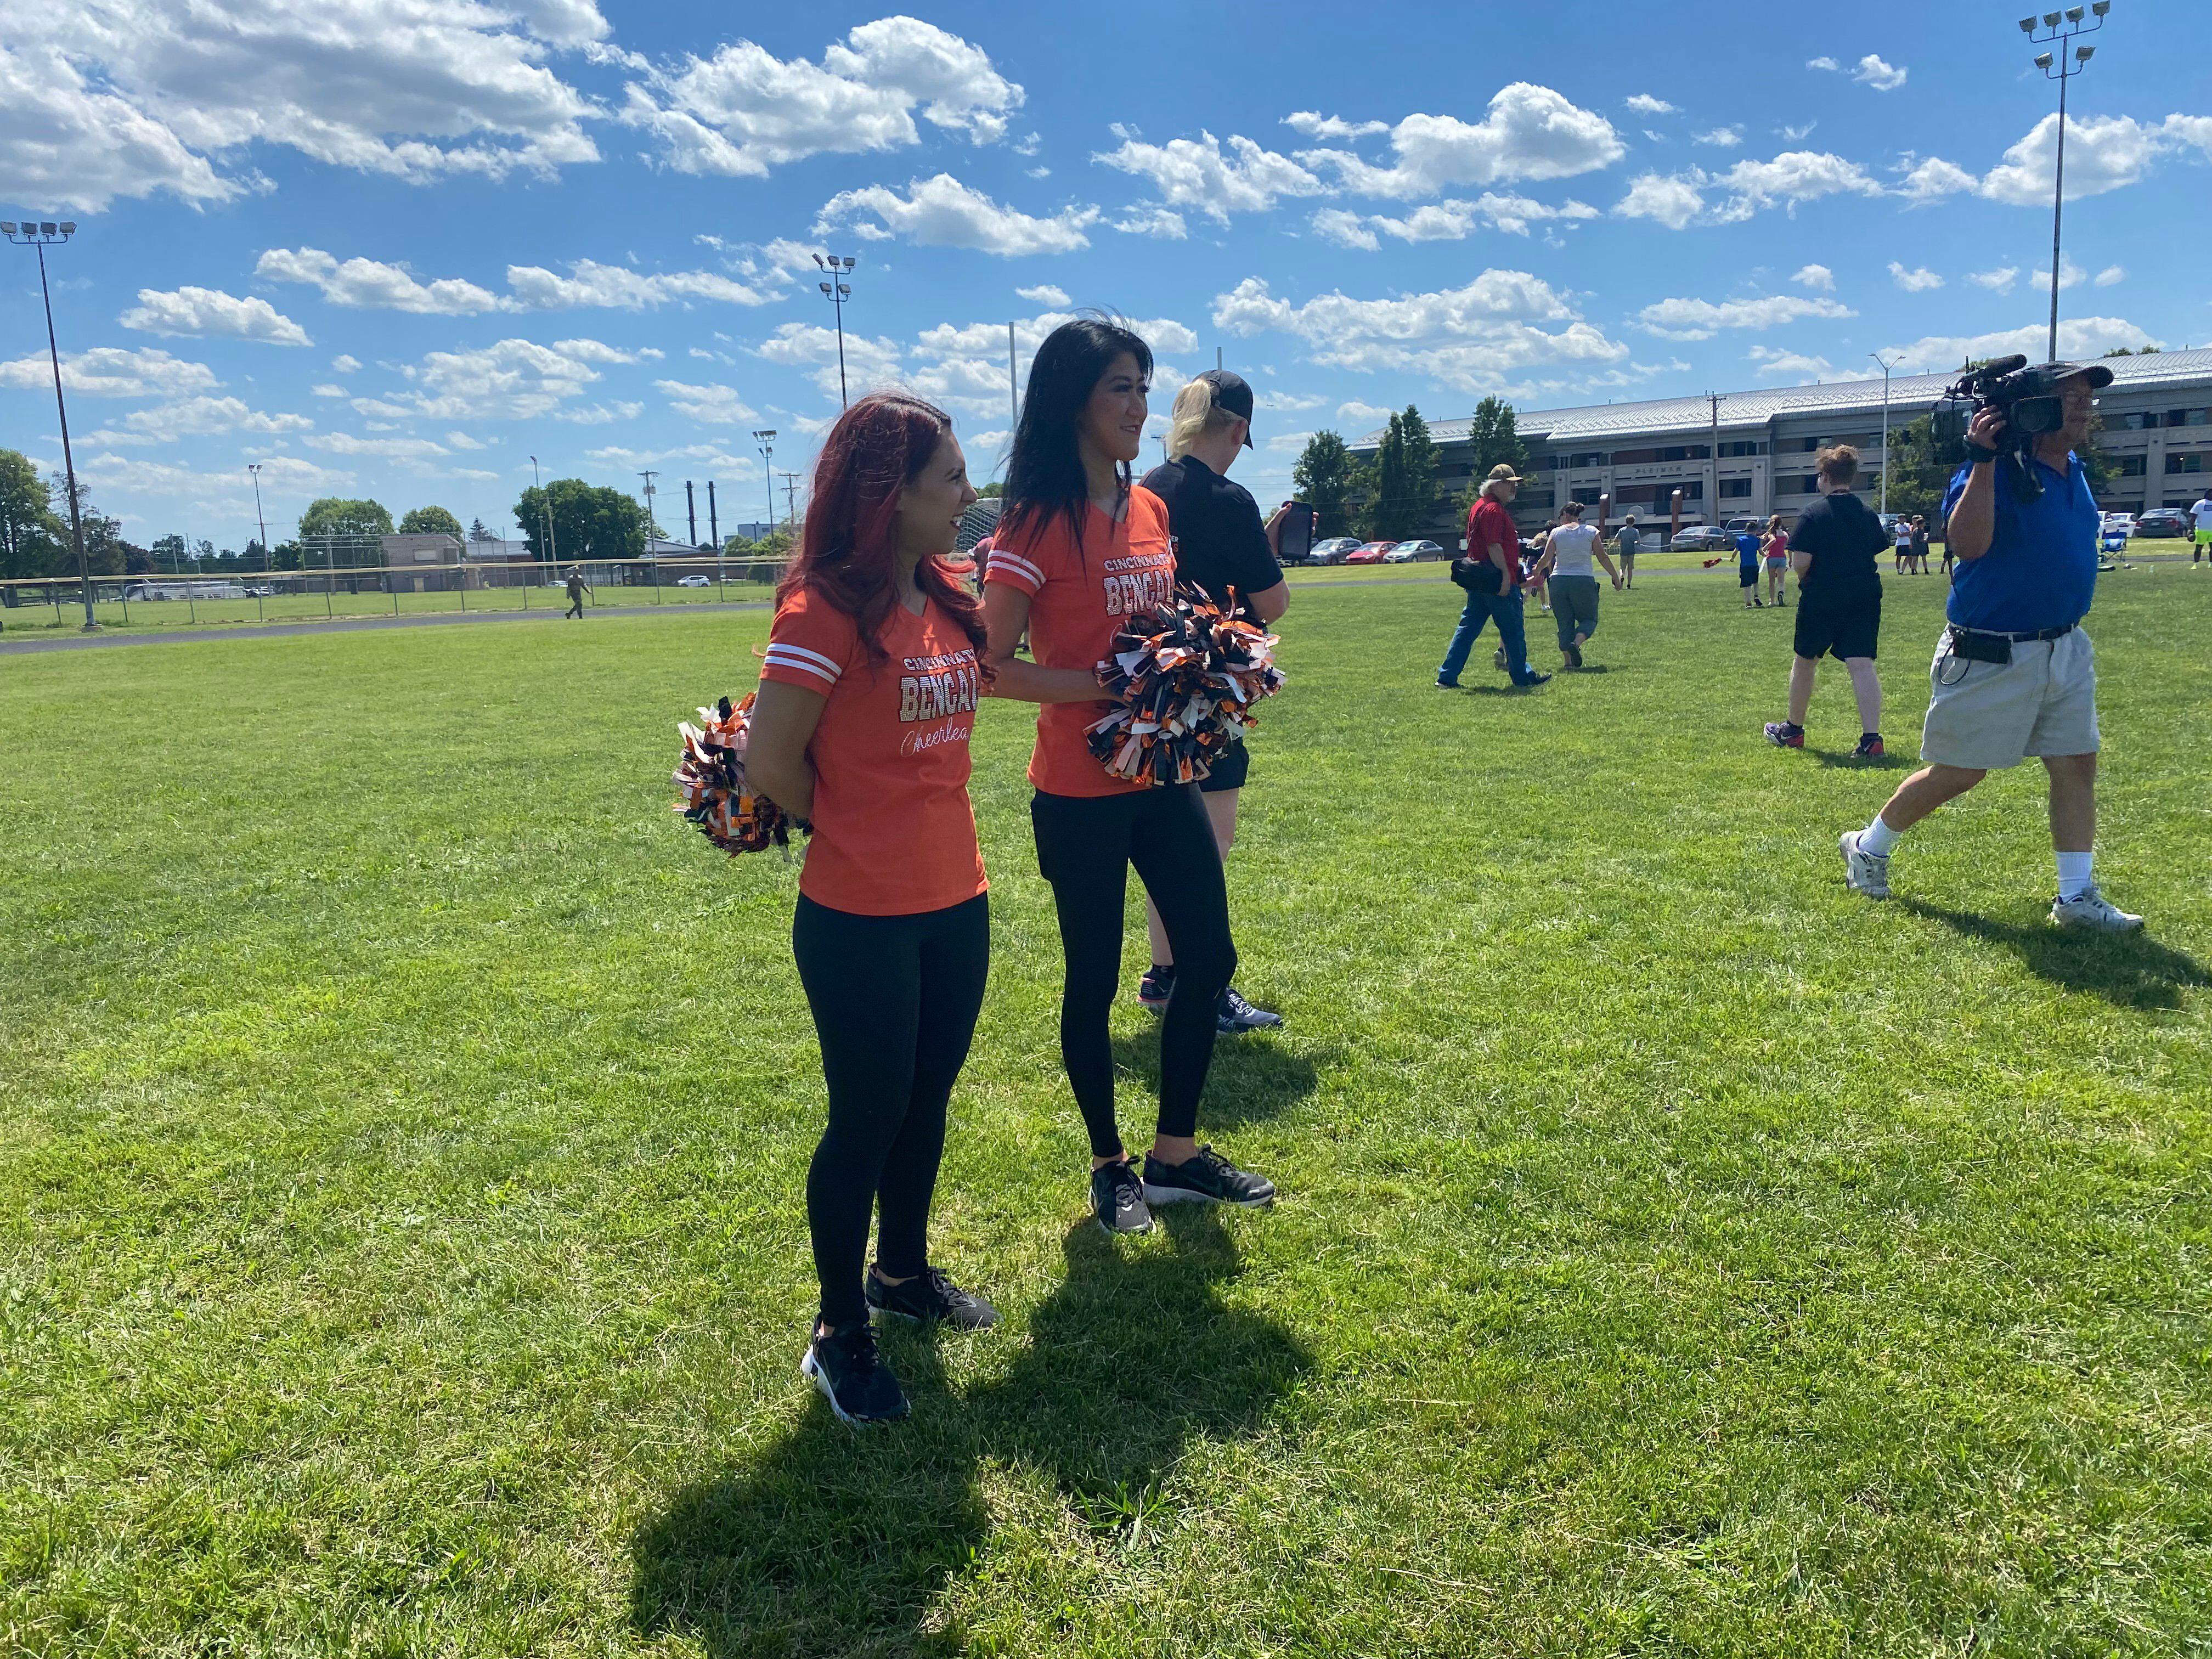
(2029, 402)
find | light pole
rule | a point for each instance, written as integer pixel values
(765, 440)
(1715, 399)
(37, 235)
(1886, 366)
(254, 467)
(2064, 70)
(544, 516)
(838, 267)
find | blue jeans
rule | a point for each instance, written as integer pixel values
(1505, 610)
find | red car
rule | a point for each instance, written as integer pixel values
(1370, 553)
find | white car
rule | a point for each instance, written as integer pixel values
(1333, 551)
(1407, 552)
(694, 581)
(2118, 524)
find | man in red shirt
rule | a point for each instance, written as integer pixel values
(1490, 574)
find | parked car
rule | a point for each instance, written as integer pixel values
(1737, 527)
(1333, 551)
(1369, 553)
(2163, 521)
(694, 581)
(2118, 524)
(1703, 539)
(1407, 552)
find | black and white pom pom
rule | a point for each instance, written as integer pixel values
(1185, 674)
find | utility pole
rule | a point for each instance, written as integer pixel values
(651, 523)
(691, 513)
(2064, 71)
(765, 440)
(1886, 366)
(38, 235)
(1715, 399)
(713, 533)
(544, 516)
(791, 498)
(254, 467)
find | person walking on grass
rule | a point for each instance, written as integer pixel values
(1901, 536)
(2014, 673)
(1080, 547)
(1774, 549)
(1490, 574)
(1747, 569)
(1569, 550)
(1920, 545)
(577, 589)
(1221, 546)
(1625, 545)
(2200, 518)
(1834, 548)
(867, 701)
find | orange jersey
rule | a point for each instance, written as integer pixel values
(894, 833)
(1076, 601)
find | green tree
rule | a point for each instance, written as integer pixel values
(1917, 476)
(288, 555)
(991, 491)
(588, 521)
(1494, 437)
(478, 533)
(1322, 477)
(31, 536)
(1401, 482)
(333, 515)
(168, 553)
(429, 521)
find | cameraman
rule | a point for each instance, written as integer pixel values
(2015, 675)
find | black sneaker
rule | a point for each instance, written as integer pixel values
(1117, 1198)
(1447, 685)
(1236, 1015)
(930, 1297)
(1154, 989)
(1534, 681)
(844, 1365)
(1209, 1178)
(1573, 654)
(1870, 746)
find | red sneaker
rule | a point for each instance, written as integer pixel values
(1783, 735)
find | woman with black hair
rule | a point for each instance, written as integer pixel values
(1079, 548)
(861, 726)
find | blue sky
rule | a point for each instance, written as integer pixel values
(393, 247)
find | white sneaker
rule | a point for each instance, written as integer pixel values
(2093, 913)
(1863, 872)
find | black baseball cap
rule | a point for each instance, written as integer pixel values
(2053, 374)
(1232, 392)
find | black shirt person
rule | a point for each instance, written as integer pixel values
(1221, 546)
(1832, 548)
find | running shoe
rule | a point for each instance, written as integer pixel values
(1870, 746)
(844, 1365)
(1117, 1198)
(1759, 604)
(931, 1299)
(1154, 989)
(1447, 685)
(1784, 735)
(2092, 913)
(1863, 872)
(1534, 681)
(1235, 1016)
(1573, 654)
(1209, 1178)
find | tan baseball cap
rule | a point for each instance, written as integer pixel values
(1503, 474)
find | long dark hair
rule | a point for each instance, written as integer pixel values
(849, 552)
(1044, 471)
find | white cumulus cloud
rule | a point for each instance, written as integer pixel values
(1196, 173)
(1882, 77)
(1645, 104)
(1790, 365)
(508, 380)
(714, 403)
(942, 212)
(1529, 132)
(1815, 276)
(1044, 294)
(207, 311)
(371, 284)
(1720, 138)
(1698, 320)
(2079, 338)
(617, 287)
(1919, 280)
(1316, 125)
(1789, 178)
(1999, 281)
(111, 372)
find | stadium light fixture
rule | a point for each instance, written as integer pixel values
(2083, 54)
(28, 233)
(2072, 14)
(837, 267)
(2027, 26)
(2055, 68)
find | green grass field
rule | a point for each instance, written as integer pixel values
(406, 1118)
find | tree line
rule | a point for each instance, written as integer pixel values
(1394, 496)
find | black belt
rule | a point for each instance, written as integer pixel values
(1998, 633)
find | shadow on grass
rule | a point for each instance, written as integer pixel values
(1845, 757)
(840, 1540)
(1253, 1078)
(2131, 970)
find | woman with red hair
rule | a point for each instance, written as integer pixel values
(861, 728)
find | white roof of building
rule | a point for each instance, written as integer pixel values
(1755, 409)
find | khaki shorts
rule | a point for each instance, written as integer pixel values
(1992, 715)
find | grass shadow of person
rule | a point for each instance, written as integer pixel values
(839, 1540)
(1253, 1077)
(2132, 970)
(1883, 763)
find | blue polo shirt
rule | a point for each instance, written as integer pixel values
(2041, 569)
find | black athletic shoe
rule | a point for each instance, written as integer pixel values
(931, 1299)
(1573, 654)
(1534, 681)
(1447, 685)
(1117, 1198)
(1783, 735)
(1236, 1015)
(1209, 1178)
(1870, 747)
(844, 1365)
(1154, 989)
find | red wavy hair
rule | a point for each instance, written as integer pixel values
(848, 554)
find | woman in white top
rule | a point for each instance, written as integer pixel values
(1569, 551)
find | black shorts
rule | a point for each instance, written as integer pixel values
(1747, 575)
(1229, 772)
(1843, 628)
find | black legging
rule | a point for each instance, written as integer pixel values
(895, 1000)
(1085, 845)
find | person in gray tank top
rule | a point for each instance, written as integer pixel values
(1568, 553)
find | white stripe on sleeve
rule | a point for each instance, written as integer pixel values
(785, 655)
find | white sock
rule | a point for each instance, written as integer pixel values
(2073, 874)
(1878, 838)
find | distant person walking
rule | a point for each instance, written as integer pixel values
(1490, 574)
(1834, 549)
(1747, 569)
(1901, 535)
(2201, 516)
(577, 589)
(1568, 553)
(1919, 544)
(1627, 545)
(1774, 547)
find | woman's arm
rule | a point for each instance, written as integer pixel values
(1543, 566)
(1006, 618)
(1598, 548)
(783, 721)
